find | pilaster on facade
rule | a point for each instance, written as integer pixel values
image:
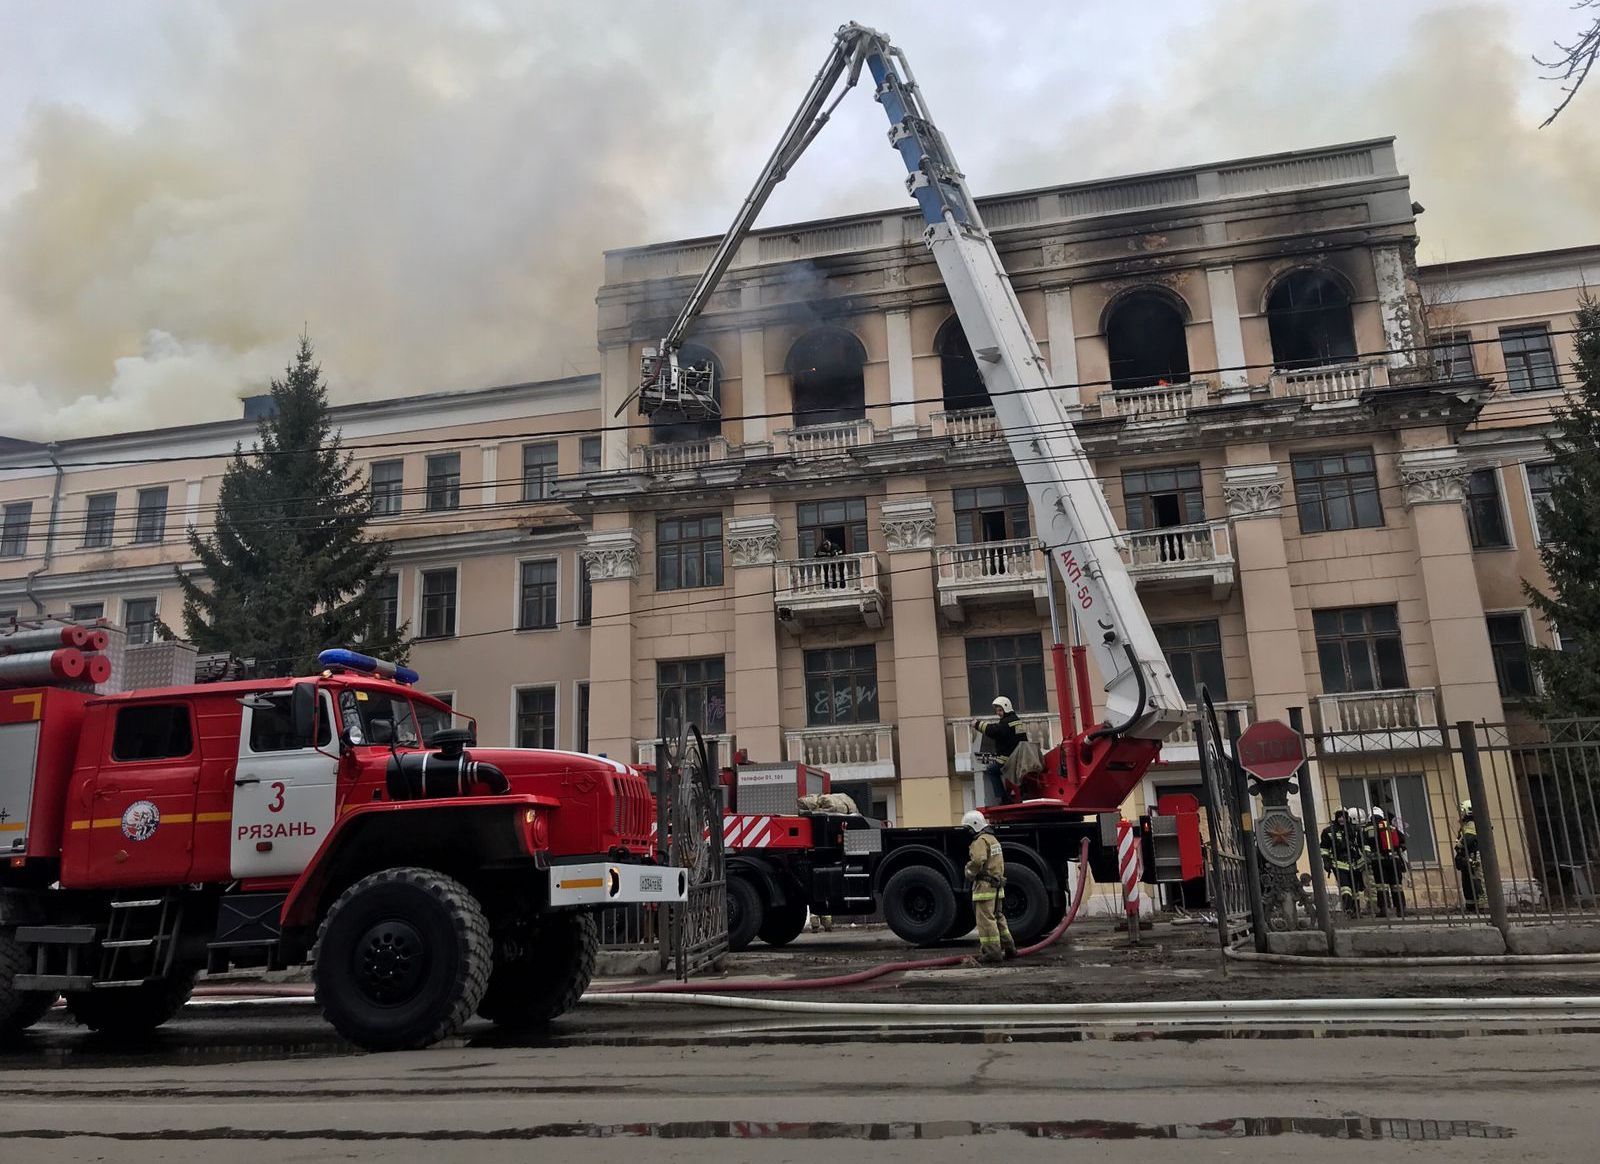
(1252, 491)
(611, 555)
(752, 541)
(1226, 328)
(908, 525)
(1434, 476)
(1061, 332)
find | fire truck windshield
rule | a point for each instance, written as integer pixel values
(358, 709)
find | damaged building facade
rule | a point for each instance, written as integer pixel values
(1325, 461)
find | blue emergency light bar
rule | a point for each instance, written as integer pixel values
(367, 665)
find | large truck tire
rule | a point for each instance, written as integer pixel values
(1027, 905)
(130, 1011)
(783, 923)
(548, 975)
(19, 1009)
(965, 921)
(919, 905)
(403, 959)
(746, 912)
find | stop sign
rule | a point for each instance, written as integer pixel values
(1271, 750)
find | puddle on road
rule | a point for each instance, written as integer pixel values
(1360, 1128)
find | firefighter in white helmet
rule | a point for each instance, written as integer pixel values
(986, 871)
(1002, 733)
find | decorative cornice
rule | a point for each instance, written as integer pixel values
(908, 525)
(611, 554)
(1253, 491)
(752, 541)
(1434, 476)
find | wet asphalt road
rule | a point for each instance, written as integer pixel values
(272, 1083)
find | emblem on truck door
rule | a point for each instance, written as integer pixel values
(140, 820)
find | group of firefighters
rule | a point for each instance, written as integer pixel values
(1366, 853)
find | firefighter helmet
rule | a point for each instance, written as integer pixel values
(1377, 814)
(1003, 703)
(975, 821)
(1466, 809)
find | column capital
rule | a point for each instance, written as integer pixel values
(752, 541)
(1431, 476)
(908, 525)
(611, 554)
(1252, 490)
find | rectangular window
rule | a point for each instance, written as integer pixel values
(536, 717)
(588, 455)
(1542, 480)
(1513, 663)
(842, 685)
(1486, 517)
(585, 592)
(536, 604)
(272, 725)
(991, 513)
(689, 552)
(1009, 665)
(99, 520)
(1404, 800)
(841, 525)
(583, 717)
(388, 487)
(438, 604)
(691, 691)
(159, 731)
(1194, 652)
(1452, 356)
(1530, 360)
(1358, 649)
(14, 529)
(150, 522)
(1162, 498)
(1337, 491)
(87, 611)
(139, 618)
(444, 481)
(387, 590)
(539, 470)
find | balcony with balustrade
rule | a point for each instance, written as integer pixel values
(991, 574)
(1331, 384)
(1399, 719)
(847, 588)
(1157, 403)
(645, 750)
(1181, 747)
(863, 751)
(835, 439)
(1182, 556)
(967, 426)
(971, 751)
(679, 456)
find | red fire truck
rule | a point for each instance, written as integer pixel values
(149, 835)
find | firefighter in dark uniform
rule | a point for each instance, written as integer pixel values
(1344, 854)
(1469, 862)
(986, 870)
(1003, 732)
(1386, 850)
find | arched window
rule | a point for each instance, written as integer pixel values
(824, 369)
(1308, 316)
(1145, 341)
(963, 386)
(669, 425)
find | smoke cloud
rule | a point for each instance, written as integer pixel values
(428, 190)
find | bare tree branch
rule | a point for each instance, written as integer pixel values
(1575, 61)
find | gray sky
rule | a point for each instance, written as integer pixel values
(185, 184)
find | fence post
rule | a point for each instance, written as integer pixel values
(1493, 888)
(1247, 833)
(1308, 813)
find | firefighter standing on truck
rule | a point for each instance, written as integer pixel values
(986, 870)
(1003, 732)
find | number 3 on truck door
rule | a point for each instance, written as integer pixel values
(284, 788)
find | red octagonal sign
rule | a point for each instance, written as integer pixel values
(1271, 750)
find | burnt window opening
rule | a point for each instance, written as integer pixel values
(1309, 319)
(958, 369)
(1145, 342)
(669, 426)
(1163, 498)
(825, 371)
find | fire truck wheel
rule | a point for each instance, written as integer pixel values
(919, 905)
(783, 923)
(1027, 904)
(746, 913)
(965, 920)
(403, 959)
(547, 975)
(127, 1011)
(19, 1009)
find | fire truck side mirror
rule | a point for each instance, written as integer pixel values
(303, 712)
(381, 731)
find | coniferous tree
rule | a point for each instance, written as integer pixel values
(289, 569)
(1570, 524)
